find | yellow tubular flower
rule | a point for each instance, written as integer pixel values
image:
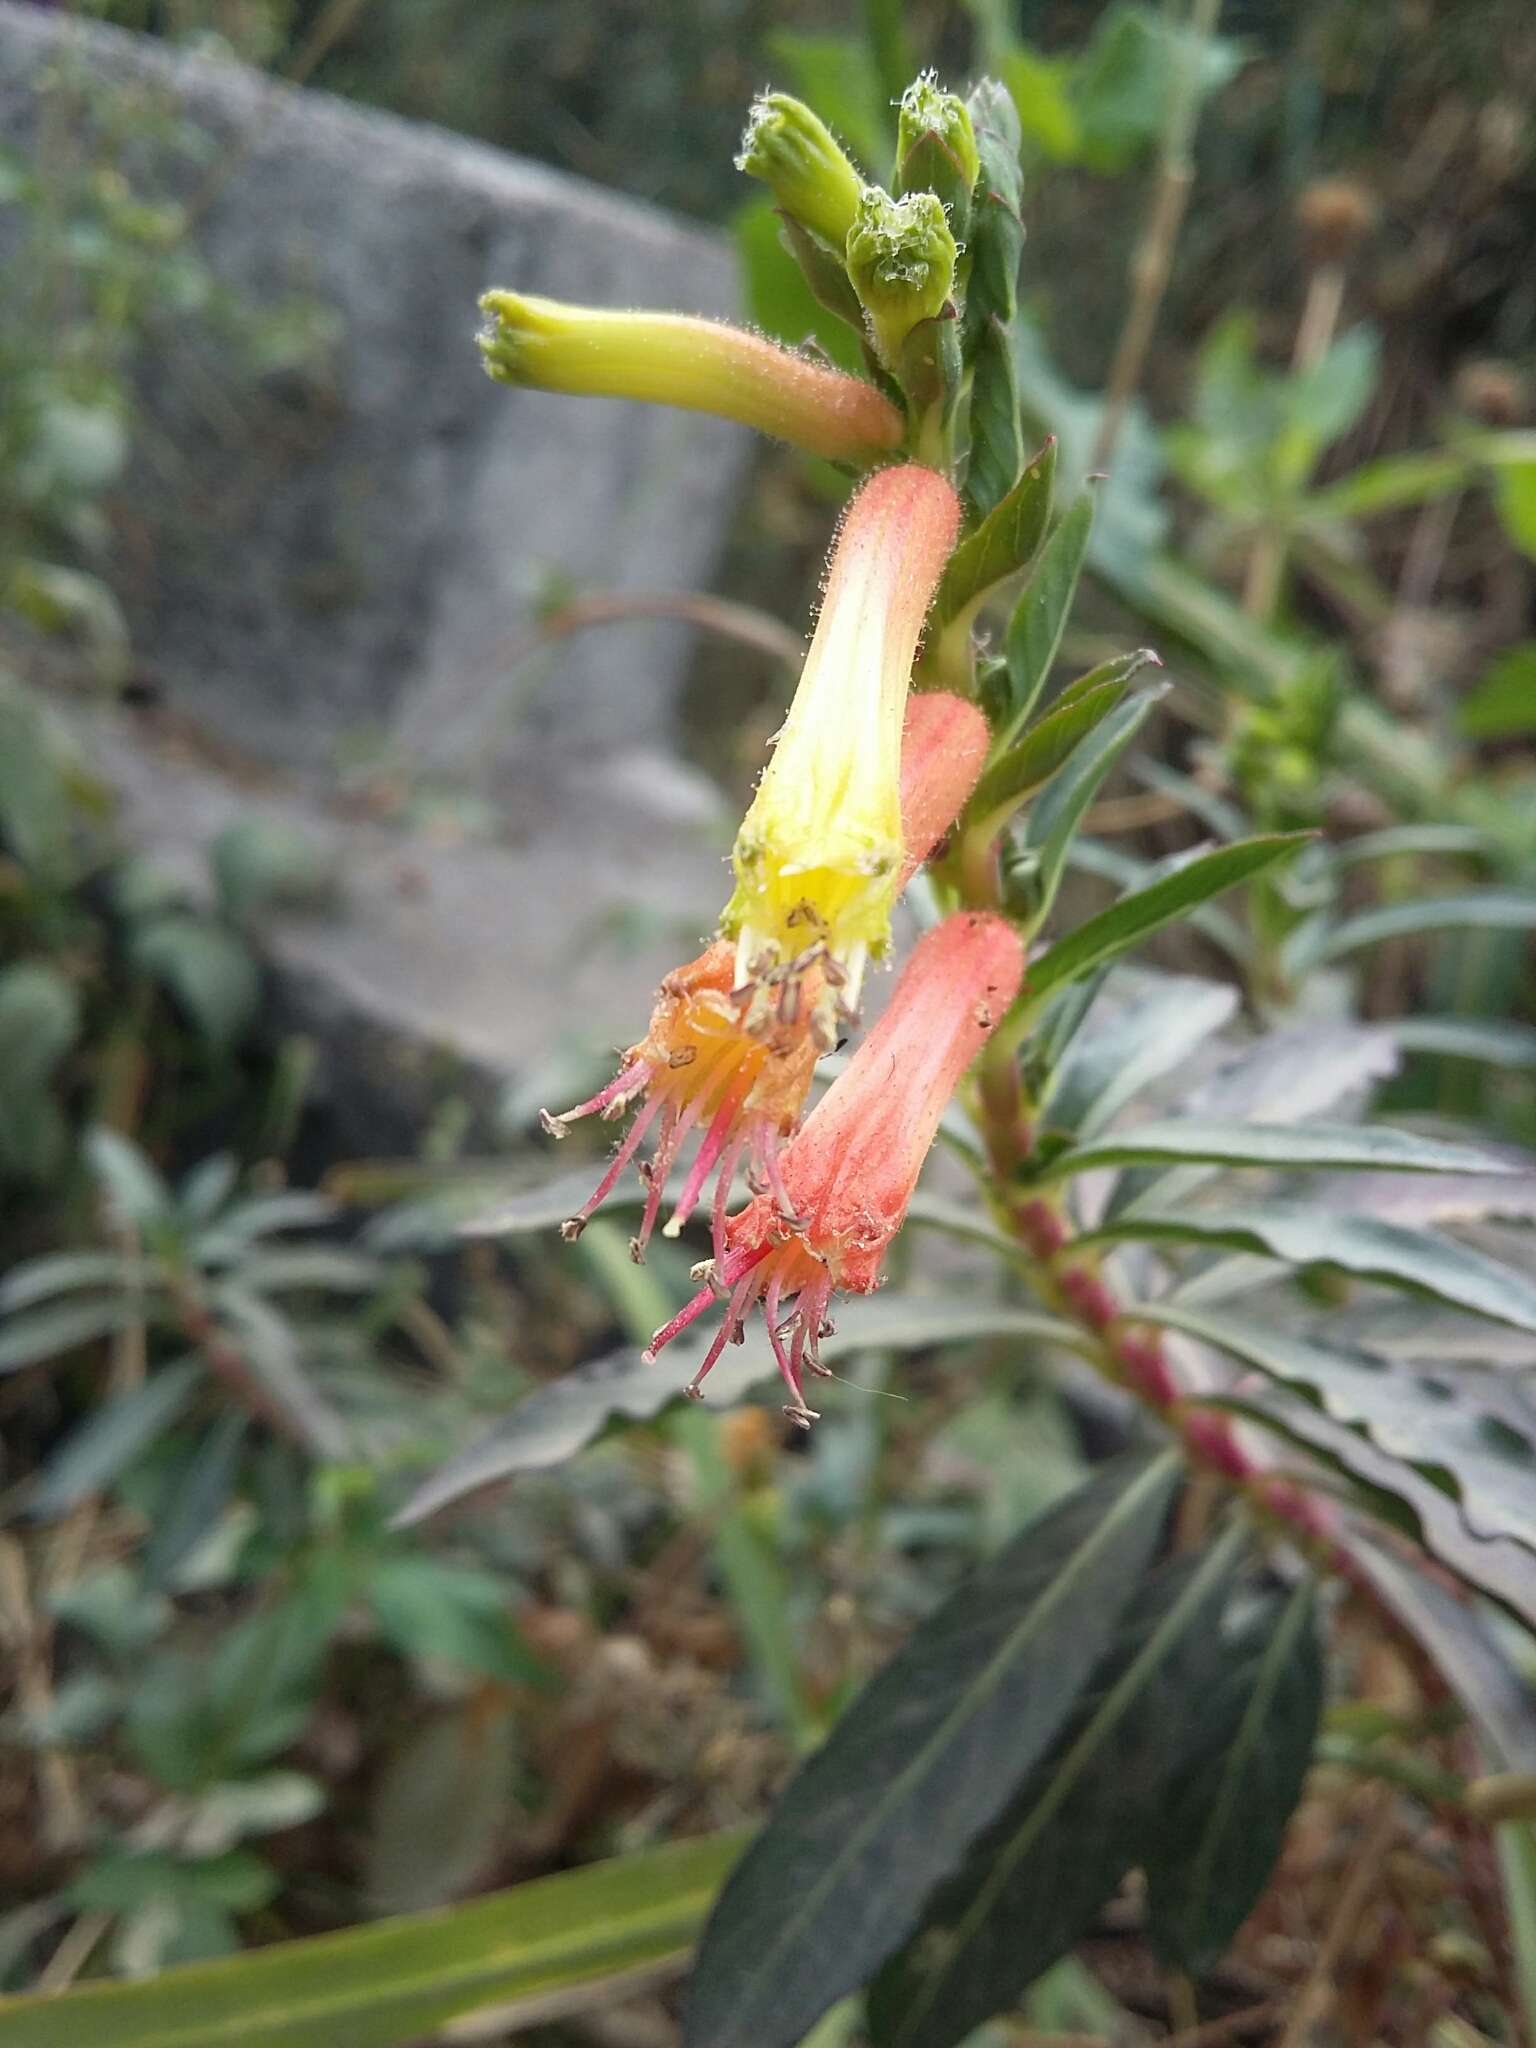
(702, 365)
(819, 856)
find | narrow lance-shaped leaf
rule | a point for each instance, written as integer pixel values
(1380, 1147)
(1033, 1883)
(1013, 778)
(1134, 917)
(1304, 1236)
(997, 431)
(1033, 864)
(1221, 1832)
(1162, 1022)
(1501, 1044)
(1002, 544)
(394, 1981)
(1469, 1431)
(1040, 617)
(559, 1420)
(922, 1761)
(1479, 910)
(113, 1435)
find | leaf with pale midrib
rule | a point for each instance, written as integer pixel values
(920, 1764)
(1220, 1835)
(1033, 1883)
(1304, 1236)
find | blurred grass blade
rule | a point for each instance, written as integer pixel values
(392, 1982)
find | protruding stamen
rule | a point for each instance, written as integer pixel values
(624, 1084)
(619, 1161)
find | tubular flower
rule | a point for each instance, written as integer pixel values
(848, 1174)
(701, 1067)
(819, 855)
(701, 365)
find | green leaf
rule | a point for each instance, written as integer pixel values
(1467, 1651)
(1123, 81)
(996, 239)
(39, 1023)
(135, 1193)
(197, 1498)
(1002, 544)
(560, 1419)
(209, 972)
(1163, 1019)
(1134, 917)
(61, 1327)
(479, 1214)
(440, 1807)
(1033, 1883)
(837, 76)
(1040, 616)
(37, 766)
(1017, 774)
(1503, 705)
(1221, 1832)
(450, 1614)
(997, 431)
(1305, 1236)
(113, 1436)
(1379, 1147)
(1479, 910)
(1516, 1842)
(260, 865)
(390, 1983)
(269, 1345)
(779, 300)
(1471, 1433)
(1469, 1038)
(919, 1765)
(1387, 485)
(1033, 866)
(1515, 496)
(1041, 96)
(58, 1273)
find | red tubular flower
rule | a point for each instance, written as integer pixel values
(718, 1059)
(848, 1174)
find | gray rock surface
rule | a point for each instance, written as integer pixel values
(314, 562)
(445, 964)
(348, 554)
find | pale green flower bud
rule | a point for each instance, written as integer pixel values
(936, 149)
(901, 258)
(795, 155)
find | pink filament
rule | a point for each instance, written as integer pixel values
(620, 1159)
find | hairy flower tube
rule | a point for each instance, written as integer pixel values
(701, 365)
(720, 1060)
(847, 1176)
(819, 856)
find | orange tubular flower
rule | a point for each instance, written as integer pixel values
(847, 1176)
(706, 1064)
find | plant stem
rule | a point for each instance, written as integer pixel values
(1152, 265)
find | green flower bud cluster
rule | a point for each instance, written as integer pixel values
(891, 265)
